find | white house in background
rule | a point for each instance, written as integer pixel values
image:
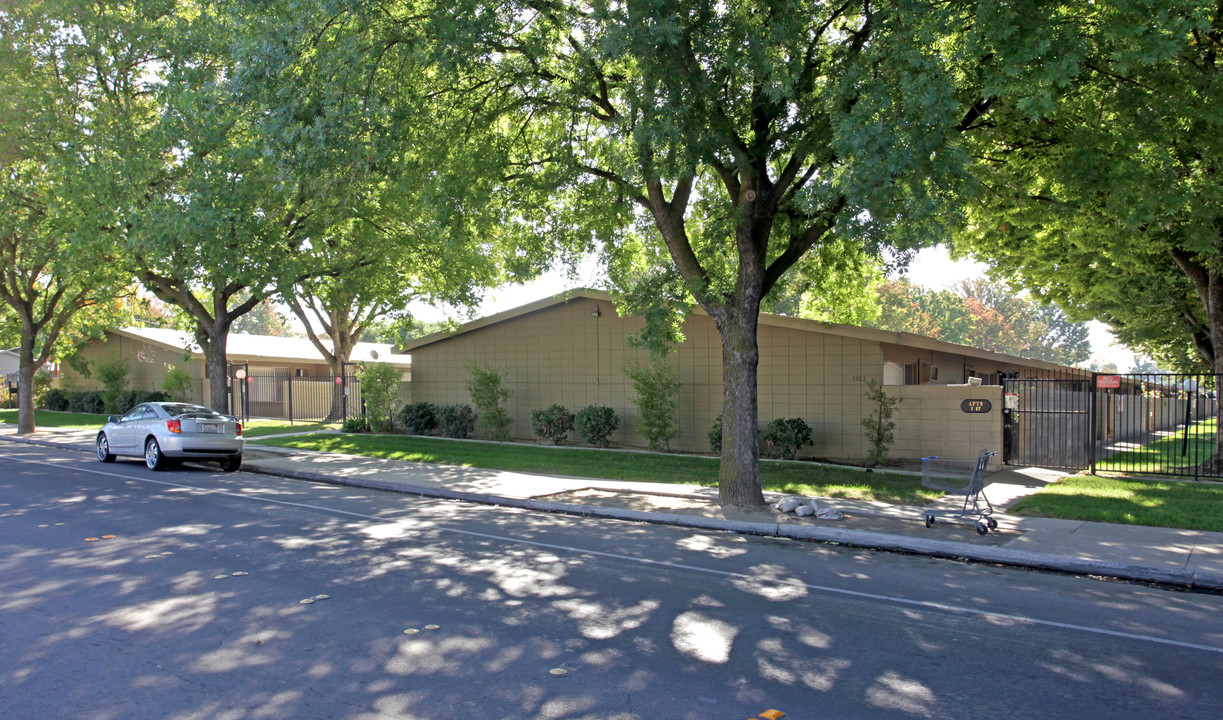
(10, 363)
(151, 351)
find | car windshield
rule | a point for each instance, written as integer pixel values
(176, 410)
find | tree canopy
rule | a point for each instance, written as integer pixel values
(729, 140)
(1104, 197)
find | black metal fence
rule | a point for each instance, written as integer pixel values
(282, 396)
(1141, 423)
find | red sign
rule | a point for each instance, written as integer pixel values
(339, 381)
(1108, 381)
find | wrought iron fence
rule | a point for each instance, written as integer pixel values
(1140, 423)
(1157, 424)
(281, 396)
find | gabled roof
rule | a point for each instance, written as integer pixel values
(766, 319)
(264, 348)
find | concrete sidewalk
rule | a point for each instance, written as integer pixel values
(1162, 555)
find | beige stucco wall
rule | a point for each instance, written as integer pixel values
(146, 361)
(930, 421)
(563, 354)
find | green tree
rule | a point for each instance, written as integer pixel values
(380, 391)
(487, 387)
(67, 75)
(720, 142)
(263, 319)
(657, 386)
(1099, 195)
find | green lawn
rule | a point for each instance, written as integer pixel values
(255, 428)
(798, 478)
(50, 418)
(259, 428)
(1188, 505)
(1164, 454)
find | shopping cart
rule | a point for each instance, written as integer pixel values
(960, 476)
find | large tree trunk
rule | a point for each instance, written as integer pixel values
(337, 395)
(739, 474)
(25, 393)
(214, 345)
(1209, 285)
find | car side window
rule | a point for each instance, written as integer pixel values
(134, 414)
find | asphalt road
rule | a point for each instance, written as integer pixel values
(512, 614)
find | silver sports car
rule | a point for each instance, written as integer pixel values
(166, 432)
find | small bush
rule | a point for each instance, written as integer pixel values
(715, 436)
(380, 389)
(456, 421)
(87, 402)
(596, 423)
(553, 423)
(657, 386)
(355, 425)
(784, 436)
(879, 425)
(486, 386)
(56, 399)
(112, 374)
(129, 399)
(418, 418)
(177, 383)
(42, 386)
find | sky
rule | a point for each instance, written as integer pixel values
(931, 268)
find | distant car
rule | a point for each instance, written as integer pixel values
(164, 433)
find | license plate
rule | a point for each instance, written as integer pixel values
(206, 428)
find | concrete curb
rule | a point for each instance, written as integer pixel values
(853, 538)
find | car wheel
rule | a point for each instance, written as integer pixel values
(103, 446)
(153, 458)
(232, 463)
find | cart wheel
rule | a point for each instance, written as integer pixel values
(981, 529)
(929, 520)
(992, 523)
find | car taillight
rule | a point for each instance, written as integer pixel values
(175, 426)
(239, 429)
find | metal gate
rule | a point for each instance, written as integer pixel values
(1157, 424)
(1137, 423)
(1047, 420)
(281, 396)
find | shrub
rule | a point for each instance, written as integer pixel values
(87, 402)
(553, 423)
(129, 399)
(56, 399)
(418, 418)
(380, 390)
(42, 386)
(784, 436)
(112, 374)
(355, 425)
(486, 386)
(596, 423)
(657, 386)
(879, 424)
(177, 383)
(456, 421)
(715, 435)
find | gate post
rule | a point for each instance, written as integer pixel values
(1091, 424)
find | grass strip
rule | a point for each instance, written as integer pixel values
(797, 478)
(260, 428)
(1191, 506)
(1165, 455)
(52, 418)
(254, 428)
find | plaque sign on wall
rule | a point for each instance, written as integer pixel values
(976, 406)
